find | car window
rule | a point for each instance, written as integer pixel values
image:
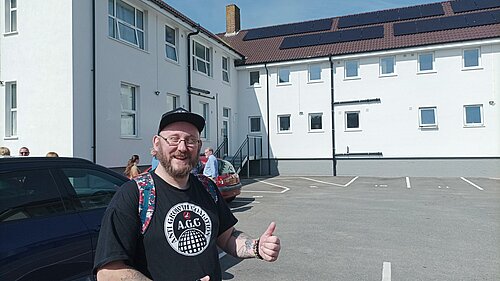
(27, 194)
(225, 167)
(93, 188)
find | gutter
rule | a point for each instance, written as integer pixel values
(94, 102)
(189, 64)
(334, 158)
(268, 131)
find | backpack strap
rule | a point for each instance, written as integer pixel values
(209, 185)
(147, 199)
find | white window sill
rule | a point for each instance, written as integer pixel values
(316, 131)
(172, 61)
(387, 75)
(254, 86)
(11, 33)
(315, 81)
(130, 137)
(203, 74)
(474, 126)
(428, 128)
(352, 78)
(284, 84)
(353, 130)
(284, 132)
(426, 72)
(11, 138)
(225, 82)
(126, 43)
(472, 68)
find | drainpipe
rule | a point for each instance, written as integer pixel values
(268, 130)
(94, 103)
(333, 117)
(189, 64)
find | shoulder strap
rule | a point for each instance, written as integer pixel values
(147, 199)
(209, 185)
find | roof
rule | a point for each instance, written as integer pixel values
(193, 24)
(270, 46)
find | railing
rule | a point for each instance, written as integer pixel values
(250, 149)
(221, 150)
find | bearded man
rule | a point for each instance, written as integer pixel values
(188, 224)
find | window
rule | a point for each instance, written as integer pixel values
(11, 16)
(316, 122)
(352, 120)
(126, 23)
(283, 75)
(201, 59)
(94, 189)
(426, 62)
(205, 113)
(225, 112)
(387, 65)
(254, 124)
(473, 115)
(351, 69)
(427, 117)
(471, 58)
(11, 110)
(172, 102)
(254, 78)
(284, 123)
(314, 72)
(129, 111)
(170, 43)
(225, 69)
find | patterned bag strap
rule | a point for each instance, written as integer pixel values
(147, 199)
(209, 185)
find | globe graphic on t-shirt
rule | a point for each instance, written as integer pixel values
(192, 241)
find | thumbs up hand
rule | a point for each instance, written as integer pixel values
(269, 245)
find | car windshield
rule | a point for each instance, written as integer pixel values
(225, 167)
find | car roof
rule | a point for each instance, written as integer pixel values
(13, 163)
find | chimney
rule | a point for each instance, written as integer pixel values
(232, 19)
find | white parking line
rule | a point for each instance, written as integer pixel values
(285, 189)
(330, 183)
(408, 185)
(471, 183)
(386, 271)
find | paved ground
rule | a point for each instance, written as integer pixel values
(358, 228)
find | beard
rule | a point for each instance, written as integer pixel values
(177, 172)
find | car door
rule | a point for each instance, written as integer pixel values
(42, 238)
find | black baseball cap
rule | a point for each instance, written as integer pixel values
(181, 115)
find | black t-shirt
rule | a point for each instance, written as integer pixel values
(181, 240)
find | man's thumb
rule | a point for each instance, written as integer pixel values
(270, 229)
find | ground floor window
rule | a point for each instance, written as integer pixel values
(254, 123)
(11, 109)
(352, 120)
(205, 114)
(128, 110)
(315, 121)
(473, 115)
(427, 117)
(284, 123)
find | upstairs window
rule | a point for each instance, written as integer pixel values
(471, 58)
(254, 124)
(426, 62)
(202, 59)
(473, 115)
(283, 75)
(11, 16)
(128, 110)
(352, 120)
(225, 69)
(171, 43)
(11, 109)
(351, 69)
(172, 102)
(316, 122)
(284, 123)
(387, 66)
(314, 73)
(126, 23)
(427, 117)
(254, 78)
(205, 113)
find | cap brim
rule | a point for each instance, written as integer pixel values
(189, 117)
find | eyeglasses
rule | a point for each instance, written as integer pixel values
(24, 152)
(175, 141)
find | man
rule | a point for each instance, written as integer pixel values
(24, 151)
(211, 169)
(187, 224)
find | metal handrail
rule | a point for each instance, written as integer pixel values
(220, 147)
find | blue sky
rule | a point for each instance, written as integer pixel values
(257, 13)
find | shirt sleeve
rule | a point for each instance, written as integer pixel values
(120, 228)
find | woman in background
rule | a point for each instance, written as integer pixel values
(132, 171)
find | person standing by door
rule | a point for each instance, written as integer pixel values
(211, 169)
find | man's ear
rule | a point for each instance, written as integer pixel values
(155, 142)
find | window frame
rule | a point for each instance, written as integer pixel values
(205, 112)
(134, 112)
(256, 84)
(315, 114)
(481, 116)
(433, 62)
(11, 16)
(11, 115)
(478, 66)
(427, 126)
(381, 66)
(346, 119)
(116, 21)
(309, 72)
(196, 59)
(279, 72)
(226, 69)
(175, 101)
(346, 64)
(289, 116)
(170, 44)
(250, 128)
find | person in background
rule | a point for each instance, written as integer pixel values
(154, 160)
(24, 151)
(211, 169)
(52, 154)
(132, 171)
(4, 151)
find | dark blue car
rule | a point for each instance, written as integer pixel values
(50, 215)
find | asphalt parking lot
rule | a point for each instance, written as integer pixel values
(364, 228)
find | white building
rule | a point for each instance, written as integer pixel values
(391, 102)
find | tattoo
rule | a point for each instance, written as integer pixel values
(245, 248)
(134, 275)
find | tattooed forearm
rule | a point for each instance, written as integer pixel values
(244, 244)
